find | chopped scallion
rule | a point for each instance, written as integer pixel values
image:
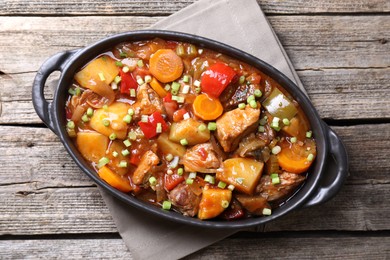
(212, 126)
(189, 181)
(210, 179)
(115, 154)
(166, 205)
(202, 127)
(192, 175)
(197, 83)
(140, 81)
(258, 93)
(275, 180)
(132, 135)
(221, 184)
(174, 92)
(267, 212)
(286, 121)
(125, 69)
(225, 204)
(263, 121)
(184, 142)
(140, 63)
(186, 89)
(106, 122)
(152, 180)
(133, 93)
(148, 78)
(253, 104)
(167, 87)
(119, 63)
(85, 118)
(130, 111)
(101, 76)
(127, 118)
(231, 187)
(175, 86)
(293, 139)
(180, 50)
(144, 118)
(180, 171)
(103, 161)
(114, 86)
(261, 129)
(117, 79)
(159, 128)
(122, 164)
(250, 98)
(125, 152)
(309, 134)
(71, 125)
(123, 54)
(112, 136)
(276, 149)
(198, 90)
(186, 79)
(310, 157)
(169, 172)
(169, 157)
(127, 143)
(241, 106)
(77, 91)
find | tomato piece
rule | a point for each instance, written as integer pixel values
(140, 71)
(216, 78)
(168, 98)
(172, 180)
(127, 82)
(135, 159)
(203, 153)
(150, 128)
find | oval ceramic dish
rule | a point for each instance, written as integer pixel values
(325, 177)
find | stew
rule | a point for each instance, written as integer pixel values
(189, 129)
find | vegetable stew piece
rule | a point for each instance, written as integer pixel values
(110, 120)
(165, 65)
(275, 192)
(216, 78)
(127, 82)
(92, 145)
(207, 108)
(214, 201)
(115, 180)
(278, 105)
(148, 101)
(297, 157)
(201, 158)
(148, 160)
(242, 173)
(154, 126)
(168, 147)
(253, 204)
(189, 130)
(102, 69)
(234, 125)
(186, 201)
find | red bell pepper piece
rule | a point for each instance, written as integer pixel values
(149, 128)
(127, 82)
(216, 78)
(179, 114)
(172, 180)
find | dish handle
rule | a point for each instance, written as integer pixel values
(336, 170)
(41, 105)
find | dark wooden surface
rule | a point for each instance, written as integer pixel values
(341, 51)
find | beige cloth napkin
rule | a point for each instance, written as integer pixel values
(238, 23)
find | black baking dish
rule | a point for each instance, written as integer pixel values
(325, 177)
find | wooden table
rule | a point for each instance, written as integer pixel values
(340, 49)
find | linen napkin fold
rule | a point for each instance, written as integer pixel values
(243, 26)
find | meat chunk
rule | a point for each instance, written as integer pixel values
(148, 102)
(186, 201)
(272, 192)
(201, 158)
(234, 125)
(234, 95)
(148, 160)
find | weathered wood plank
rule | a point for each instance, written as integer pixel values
(366, 93)
(269, 245)
(164, 7)
(312, 42)
(45, 162)
(28, 211)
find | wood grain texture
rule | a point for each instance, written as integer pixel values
(269, 246)
(311, 42)
(165, 7)
(45, 193)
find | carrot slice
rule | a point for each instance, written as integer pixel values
(158, 88)
(114, 179)
(206, 107)
(294, 157)
(166, 65)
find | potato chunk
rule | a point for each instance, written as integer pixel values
(114, 114)
(189, 130)
(100, 69)
(168, 147)
(213, 202)
(92, 145)
(243, 173)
